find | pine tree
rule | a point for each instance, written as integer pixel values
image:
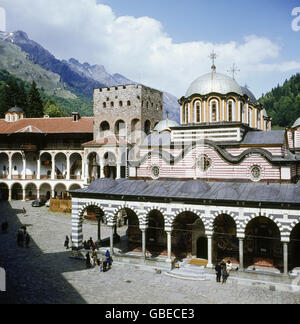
(35, 103)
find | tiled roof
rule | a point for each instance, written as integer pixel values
(269, 138)
(110, 140)
(196, 189)
(48, 125)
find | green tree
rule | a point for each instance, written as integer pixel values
(53, 110)
(35, 103)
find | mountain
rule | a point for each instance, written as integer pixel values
(64, 79)
(283, 102)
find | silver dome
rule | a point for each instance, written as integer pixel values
(214, 82)
(251, 96)
(165, 125)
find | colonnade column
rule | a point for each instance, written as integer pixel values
(285, 258)
(53, 167)
(24, 168)
(9, 194)
(118, 171)
(38, 193)
(82, 168)
(102, 175)
(209, 251)
(9, 167)
(169, 242)
(39, 168)
(24, 195)
(241, 253)
(68, 167)
(112, 232)
(144, 248)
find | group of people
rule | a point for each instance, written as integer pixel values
(90, 244)
(223, 271)
(23, 237)
(104, 263)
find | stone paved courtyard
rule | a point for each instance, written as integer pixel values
(45, 273)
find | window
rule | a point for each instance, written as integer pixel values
(155, 172)
(104, 104)
(128, 103)
(214, 112)
(198, 112)
(256, 173)
(112, 104)
(203, 163)
(121, 103)
(230, 111)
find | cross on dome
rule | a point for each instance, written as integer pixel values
(234, 69)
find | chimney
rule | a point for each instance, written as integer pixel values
(76, 116)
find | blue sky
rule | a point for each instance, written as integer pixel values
(165, 43)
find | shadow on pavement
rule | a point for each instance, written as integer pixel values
(33, 277)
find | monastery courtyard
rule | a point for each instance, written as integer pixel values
(45, 273)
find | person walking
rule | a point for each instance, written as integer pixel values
(224, 274)
(67, 241)
(95, 257)
(27, 240)
(228, 268)
(218, 269)
(104, 259)
(88, 261)
(109, 259)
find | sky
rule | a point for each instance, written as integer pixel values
(165, 44)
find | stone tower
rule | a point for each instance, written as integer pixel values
(125, 110)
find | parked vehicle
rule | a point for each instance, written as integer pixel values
(38, 203)
(47, 203)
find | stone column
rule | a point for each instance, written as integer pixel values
(68, 167)
(9, 194)
(285, 258)
(24, 168)
(9, 167)
(53, 167)
(53, 193)
(144, 241)
(38, 193)
(209, 251)
(24, 195)
(112, 239)
(102, 175)
(169, 237)
(82, 169)
(241, 252)
(38, 168)
(118, 171)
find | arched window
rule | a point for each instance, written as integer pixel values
(104, 105)
(198, 112)
(231, 110)
(186, 114)
(214, 113)
(121, 103)
(258, 119)
(242, 109)
(250, 116)
(128, 103)
(112, 104)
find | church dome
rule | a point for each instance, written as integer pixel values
(251, 96)
(16, 110)
(214, 83)
(165, 125)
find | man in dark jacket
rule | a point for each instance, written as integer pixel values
(218, 269)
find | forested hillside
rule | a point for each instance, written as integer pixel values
(283, 102)
(35, 102)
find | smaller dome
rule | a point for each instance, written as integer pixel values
(165, 125)
(297, 123)
(248, 93)
(16, 110)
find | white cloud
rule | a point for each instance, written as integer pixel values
(139, 48)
